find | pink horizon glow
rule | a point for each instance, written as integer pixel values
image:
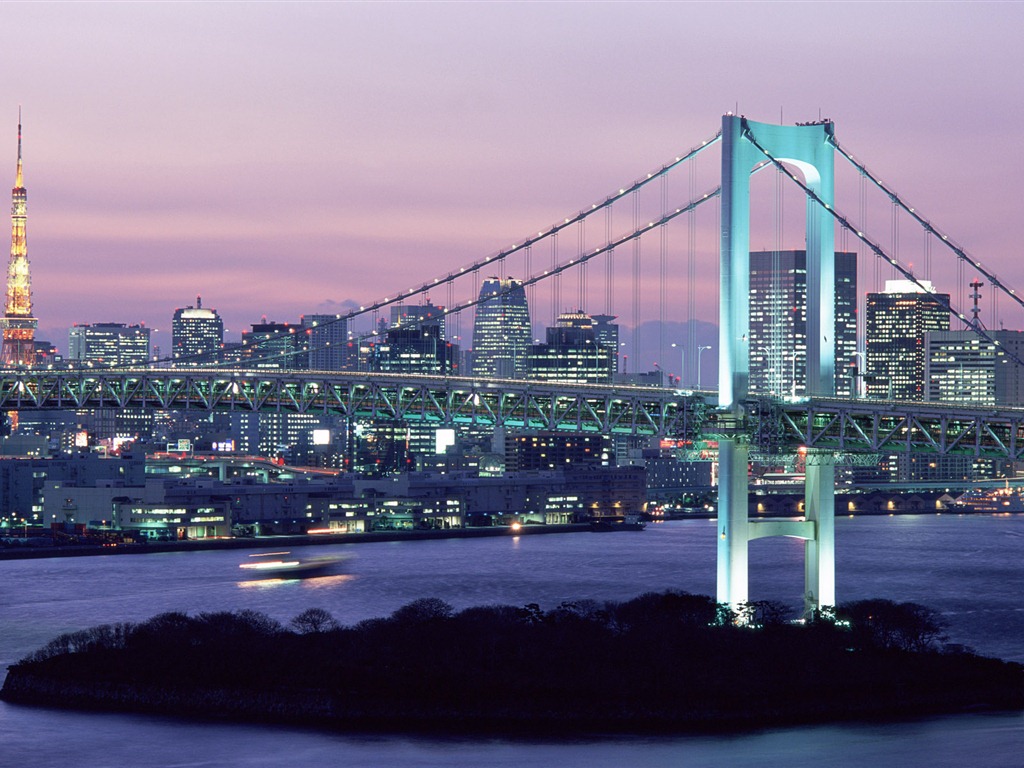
(287, 159)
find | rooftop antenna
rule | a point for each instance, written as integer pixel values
(19, 182)
(976, 310)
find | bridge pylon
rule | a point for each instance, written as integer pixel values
(809, 149)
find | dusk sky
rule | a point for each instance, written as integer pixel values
(283, 159)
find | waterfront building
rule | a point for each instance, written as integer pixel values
(501, 329)
(197, 335)
(113, 345)
(896, 322)
(531, 451)
(572, 353)
(18, 324)
(22, 481)
(778, 322)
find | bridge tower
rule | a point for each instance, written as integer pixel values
(19, 327)
(807, 147)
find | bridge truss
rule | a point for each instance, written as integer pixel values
(769, 426)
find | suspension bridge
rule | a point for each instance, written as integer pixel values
(739, 420)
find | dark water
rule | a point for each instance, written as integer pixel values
(969, 568)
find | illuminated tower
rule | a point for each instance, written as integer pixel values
(19, 327)
(501, 330)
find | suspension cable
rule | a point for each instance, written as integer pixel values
(928, 226)
(877, 249)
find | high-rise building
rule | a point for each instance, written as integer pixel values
(895, 325)
(280, 346)
(572, 353)
(778, 322)
(328, 342)
(962, 367)
(607, 334)
(19, 327)
(415, 350)
(114, 345)
(418, 316)
(501, 329)
(197, 335)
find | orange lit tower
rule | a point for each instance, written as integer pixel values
(19, 327)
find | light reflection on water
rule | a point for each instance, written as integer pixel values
(966, 567)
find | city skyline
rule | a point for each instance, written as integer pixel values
(361, 142)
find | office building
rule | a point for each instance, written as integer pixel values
(607, 334)
(328, 342)
(197, 335)
(896, 322)
(572, 353)
(275, 346)
(501, 330)
(113, 345)
(415, 350)
(962, 367)
(418, 316)
(778, 322)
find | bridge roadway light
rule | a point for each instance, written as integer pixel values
(700, 351)
(682, 362)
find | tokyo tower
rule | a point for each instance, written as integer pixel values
(19, 327)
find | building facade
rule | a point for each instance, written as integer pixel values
(108, 344)
(501, 329)
(572, 353)
(962, 367)
(778, 322)
(896, 322)
(276, 346)
(197, 336)
(328, 342)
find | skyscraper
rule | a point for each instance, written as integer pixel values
(19, 327)
(895, 326)
(197, 335)
(501, 330)
(778, 321)
(109, 344)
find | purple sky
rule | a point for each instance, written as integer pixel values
(282, 159)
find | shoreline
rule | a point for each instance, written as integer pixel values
(306, 540)
(427, 667)
(297, 540)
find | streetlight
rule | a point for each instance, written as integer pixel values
(700, 351)
(682, 362)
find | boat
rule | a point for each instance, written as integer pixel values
(995, 501)
(283, 565)
(609, 523)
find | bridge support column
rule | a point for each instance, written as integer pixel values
(809, 149)
(733, 525)
(820, 551)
